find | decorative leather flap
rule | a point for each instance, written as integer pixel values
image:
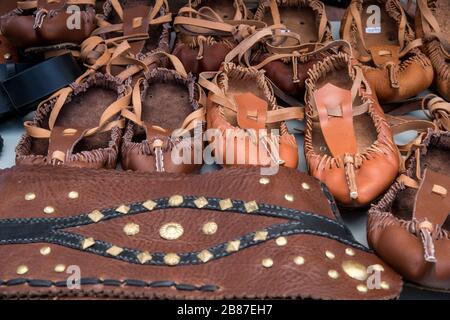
(51, 4)
(230, 233)
(432, 201)
(251, 111)
(384, 54)
(338, 131)
(62, 141)
(135, 21)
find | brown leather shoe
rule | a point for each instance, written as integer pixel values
(242, 109)
(43, 23)
(409, 228)
(348, 143)
(392, 61)
(208, 30)
(302, 29)
(78, 126)
(432, 26)
(166, 111)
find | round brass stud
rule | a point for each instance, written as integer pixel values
(131, 229)
(45, 251)
(267, 263)
(305, 186)
(22, 269)
(60, 268)
(355, 270)
(30, 196)
(281, 241)
(333, 274)
(289, 197)
(384, 285)
(264, 181)
(171, 231)
(299, 260)
(49, 210)
(330, 255)
(361, 288)
(172, 259)
(210, 228)
(350, 252)
(7, 56)
(73, 195)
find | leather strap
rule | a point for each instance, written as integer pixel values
(23, 85)
(48, 4)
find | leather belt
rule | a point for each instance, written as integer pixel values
(23, 85)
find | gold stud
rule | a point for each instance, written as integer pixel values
(7, 56)
(143, 257)
(172, 259)
(355, 270)
(45, 251)
(210, 228)
(299, 260)
(201, 202)
(233, 246)
(60, 268)
(171, 231)
(123, 209)
(260, 235)
(22, 269)
(131, 229)
(149, 205)
(384, 285)
(264, 180)
(88, 242)
(225, 204)
(377, 267)
(30, 196)
(361, 288)
(333, 274)
(205, 256)
(73, 195)
(251, 206)
(350, 252)
(114, 251)
(267, 263)
(305, 186)
(289, 197)
(330, 255)
(95, 216)
(281, 241)
(49, 210)
(175, 201)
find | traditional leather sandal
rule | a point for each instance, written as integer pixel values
(141, 235)
(432, 26)
(78, 126)
(208, 30)
(45, 22)
(392, 61)
(348, 143)
(166, 110)
(285, 57)
(129, 31)
(410, 227)
(243, 110)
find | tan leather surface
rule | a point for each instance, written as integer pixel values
(395, 222)
(240, 274)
